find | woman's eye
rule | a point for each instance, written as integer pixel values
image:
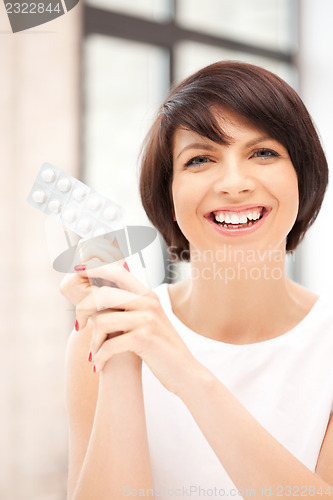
(197, 160)
(265, 153)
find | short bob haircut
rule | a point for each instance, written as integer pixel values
(259, 96)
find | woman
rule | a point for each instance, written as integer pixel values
(235, 394)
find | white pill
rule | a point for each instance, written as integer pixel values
(48, 175)
(85, 225)
(94, 203)
(39, 196)
(79, 193)
(54, 206)
(64, 185)
(110, 213)
(69, 215)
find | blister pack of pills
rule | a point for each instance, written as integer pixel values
(75, 205)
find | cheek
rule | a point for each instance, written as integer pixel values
(186, 197)
(183, 196)
(292, 195)
(286, 189)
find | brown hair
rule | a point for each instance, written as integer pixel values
(267, 102)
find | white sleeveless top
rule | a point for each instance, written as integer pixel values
(286, 383)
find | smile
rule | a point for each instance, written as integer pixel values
(238, 220)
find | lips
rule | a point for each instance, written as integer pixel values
(235, 220)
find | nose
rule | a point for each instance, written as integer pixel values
(234, 181)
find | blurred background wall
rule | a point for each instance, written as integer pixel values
(80, 92)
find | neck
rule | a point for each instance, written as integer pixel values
(240, 300)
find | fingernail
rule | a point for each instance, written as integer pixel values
(94, 369)
(126, 267)
(90, 357)
(77, 327)
(80, 267)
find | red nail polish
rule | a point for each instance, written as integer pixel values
(126, 267)
(90, 357)
(77, 327)
(94, 369)
(80, 267)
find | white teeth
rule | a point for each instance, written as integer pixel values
(239, 217)
(219, 218)
(234, 219)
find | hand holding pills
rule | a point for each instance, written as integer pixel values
(85, 212)
(99, 271)
(91, 253)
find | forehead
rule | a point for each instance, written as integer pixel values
(234, 128)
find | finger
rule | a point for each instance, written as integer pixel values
(68, 282)
(113, 298)
(89, 264)
(101, 299)
(74, 287)
(100, 253)
(100, 247)
(94, 281)
(116, 273)
(95, 258)
(96, 246)
(109, 324)
(107, 241)
(128, 342)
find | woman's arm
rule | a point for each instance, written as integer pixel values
(255, 461)
(108, 447)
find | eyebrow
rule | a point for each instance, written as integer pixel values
(197, 145)
(257, 140)
(208, 147)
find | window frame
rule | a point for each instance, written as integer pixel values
(168, 34)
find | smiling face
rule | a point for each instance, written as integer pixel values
(244, 193)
